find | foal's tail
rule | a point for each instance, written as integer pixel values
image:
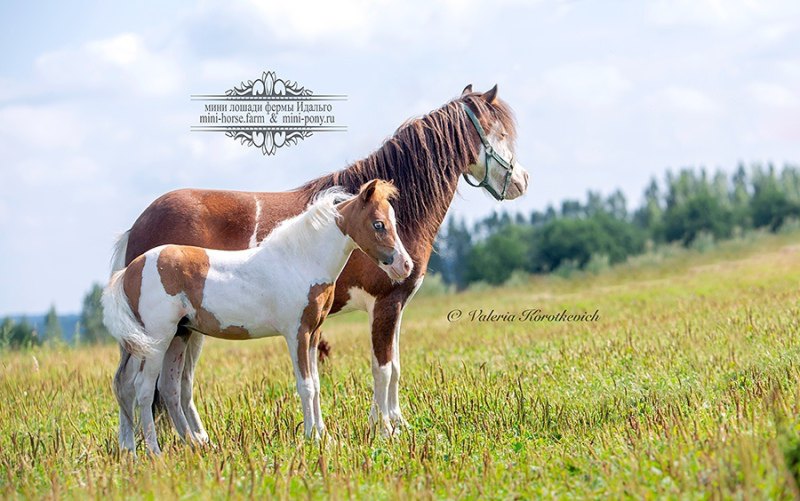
(120, 320)
(118, 256)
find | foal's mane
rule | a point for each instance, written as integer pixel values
(424, 158)
(319, 213)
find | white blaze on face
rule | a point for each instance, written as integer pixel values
(402, 265)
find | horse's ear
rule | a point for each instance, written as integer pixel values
(490, 95)
(368, 190)
(467, 90)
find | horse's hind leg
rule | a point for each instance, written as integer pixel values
(169, 386)
(194, 345)
(126, 397)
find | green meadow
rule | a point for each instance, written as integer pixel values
(686, 386)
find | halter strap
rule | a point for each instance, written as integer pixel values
(490, 153)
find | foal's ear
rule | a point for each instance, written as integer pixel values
(368, 190)
(490, 95)
(467, 90)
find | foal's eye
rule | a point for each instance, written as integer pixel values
(378, 225)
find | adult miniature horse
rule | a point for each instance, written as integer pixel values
(472, 135)
(283, 286)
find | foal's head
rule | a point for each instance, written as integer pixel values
(368, 218)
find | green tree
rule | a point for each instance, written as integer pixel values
(456, 247)
(700, 212)
(5, 333)
(494, 259)
(577, 240)
(93, 330)
(52, 327)
(18, 335)
(648, 216)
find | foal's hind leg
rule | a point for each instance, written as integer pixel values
(194, 345)
(126, 397)
(145, 385)
(169, 386)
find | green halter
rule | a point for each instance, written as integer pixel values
(508, 165)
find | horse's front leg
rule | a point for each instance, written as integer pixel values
(395, 414)
(313, 360)
(299, 351)
(385, 319)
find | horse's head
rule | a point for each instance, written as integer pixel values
(369, 219)
(496, 168)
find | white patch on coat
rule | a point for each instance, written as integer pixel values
(360, 300)
(254, 237)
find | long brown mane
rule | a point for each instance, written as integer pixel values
(424, 158)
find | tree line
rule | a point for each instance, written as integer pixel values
(690, 207)
(22, 333)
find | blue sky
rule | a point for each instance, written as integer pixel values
(95, 109)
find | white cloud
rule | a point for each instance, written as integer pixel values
(120, 64)
(56, 127)
(122, 50)
(773, 95)
(722, 13)
(683, 99)
(584, 84)
(330, 20)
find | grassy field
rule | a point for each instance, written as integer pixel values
(686, 386)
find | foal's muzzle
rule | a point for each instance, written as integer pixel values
(398, 265)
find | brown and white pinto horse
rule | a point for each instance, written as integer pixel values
(425, 158)
(284, 286)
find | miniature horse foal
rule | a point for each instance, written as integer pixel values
(282, 287)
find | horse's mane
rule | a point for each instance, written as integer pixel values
(424, 158)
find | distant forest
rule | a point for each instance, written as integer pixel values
(691, 207)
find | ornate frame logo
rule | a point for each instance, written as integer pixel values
(268, 113)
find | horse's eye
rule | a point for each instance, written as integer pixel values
(378, 225)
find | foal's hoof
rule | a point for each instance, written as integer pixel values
(328, 441)
(384, 427)
(202, 439)
(398, 421)
(199, 445)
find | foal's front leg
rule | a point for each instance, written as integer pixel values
(384, 319)
(299, 351)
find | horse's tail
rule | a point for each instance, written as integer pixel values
(118, 256)
(120, 320)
